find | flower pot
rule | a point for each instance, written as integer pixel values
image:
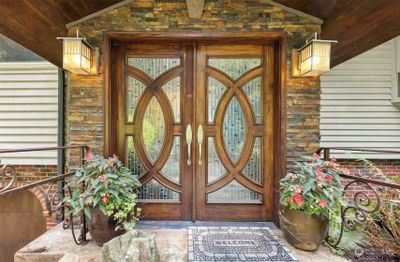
(102, 227)
(302, 231)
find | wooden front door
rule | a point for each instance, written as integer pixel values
(233, 99)
(195, 124)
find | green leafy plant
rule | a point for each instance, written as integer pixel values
(110, 186)
(314, 187)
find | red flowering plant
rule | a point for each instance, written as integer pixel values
(314, 187)
(110, 186)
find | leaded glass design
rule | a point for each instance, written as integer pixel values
(252, 170)
(154, 190)
(234, 129)
(172, 90)
(214, 165)
(135, 89)
(234, 192)
(171, 168)
(234, 67)
(134, 162)
(215, 91)
(253, 91)
(153, 67)
(153, 129)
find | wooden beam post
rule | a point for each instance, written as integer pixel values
(195, 8)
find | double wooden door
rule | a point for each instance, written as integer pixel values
(195, 124)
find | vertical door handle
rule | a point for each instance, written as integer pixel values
(189, 136)
(200, 138)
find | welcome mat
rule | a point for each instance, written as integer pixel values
(236, 244)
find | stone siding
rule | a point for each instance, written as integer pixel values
(84, 114)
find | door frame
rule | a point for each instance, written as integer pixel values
(277, 39)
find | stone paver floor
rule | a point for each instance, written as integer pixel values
(171, 240)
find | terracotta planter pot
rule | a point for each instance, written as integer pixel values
(102, 227)
(301, 230)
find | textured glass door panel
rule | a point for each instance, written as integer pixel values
(173, 91)
(215, 91)
(134, 162)
(153, 67)
(253, 92)
(234, 67)
(214, 165)
(153, 190)
(234, 192)
(153, 129)
(171, 169)
(234, 129)
(134, 91)
(252, 170)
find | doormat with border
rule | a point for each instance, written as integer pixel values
(236, 244)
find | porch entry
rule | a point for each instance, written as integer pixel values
(195, 124)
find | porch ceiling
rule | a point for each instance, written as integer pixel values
(35, 24)
(357, 25)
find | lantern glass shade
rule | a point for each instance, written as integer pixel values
(314, 58)
(77, 56)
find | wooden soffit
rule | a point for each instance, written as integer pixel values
(358, 25)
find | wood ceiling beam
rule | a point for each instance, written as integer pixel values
(362, 27)
(195, 8)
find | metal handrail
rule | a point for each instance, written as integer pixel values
(4, 151)
(362, 203)
(54, 200)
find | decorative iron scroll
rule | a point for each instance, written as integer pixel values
(53, 195)
(363, 204)
(8, 172)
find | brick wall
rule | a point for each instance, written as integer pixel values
(390, 168)
(84, 116)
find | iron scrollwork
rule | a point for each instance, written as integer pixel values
(364, 203)
(8, 172)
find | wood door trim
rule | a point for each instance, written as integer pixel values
(278, 66)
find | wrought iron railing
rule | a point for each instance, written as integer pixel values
(365, 201)
(54, 193)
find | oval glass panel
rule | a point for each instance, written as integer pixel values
(153, 129)
(234, 129)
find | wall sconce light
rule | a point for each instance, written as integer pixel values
(79, 57)
(312, 59)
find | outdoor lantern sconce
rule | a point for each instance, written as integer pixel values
(79, 57)
(312, 59)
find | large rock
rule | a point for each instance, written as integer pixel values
(132, 246)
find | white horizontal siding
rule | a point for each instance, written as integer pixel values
(356, 107)
(28, 111)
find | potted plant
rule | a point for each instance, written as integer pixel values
(108, 199)
(308, 197)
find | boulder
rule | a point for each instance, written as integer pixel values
(69, 257)
(131, 246)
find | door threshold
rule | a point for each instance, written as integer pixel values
(148, 224)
